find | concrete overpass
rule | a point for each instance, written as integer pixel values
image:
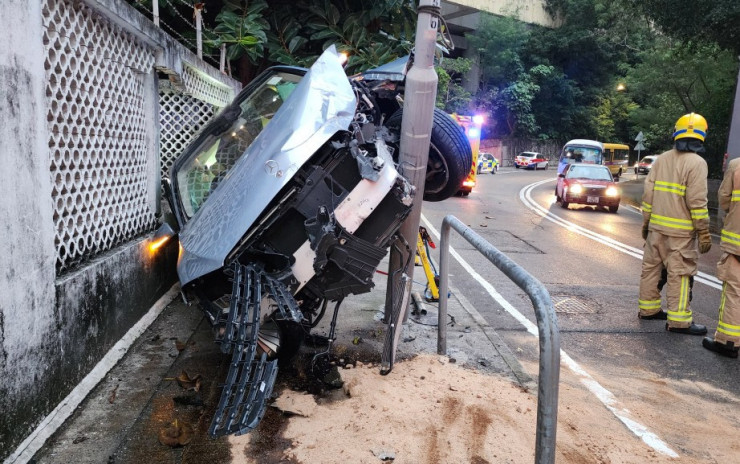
(465, 13)
(463, 16)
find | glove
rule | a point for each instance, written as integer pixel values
(705, 241)
(645, 229)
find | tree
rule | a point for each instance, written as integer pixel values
(296, 33)
(677, 78)
(717, 21)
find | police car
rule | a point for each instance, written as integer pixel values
(487, 163)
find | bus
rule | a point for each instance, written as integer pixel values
(581, 151)
(616, 156)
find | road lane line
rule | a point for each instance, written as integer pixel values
(602, 394)
(525, 195)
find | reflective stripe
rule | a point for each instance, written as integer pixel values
(730, 237)
(727, 329)
(649, 304)
(670, 187)
(674, 223)
(684, 131)
(735, 195)
(647, 207)
(682, 314)
(701, 213)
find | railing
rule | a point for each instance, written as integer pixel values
(549, 376)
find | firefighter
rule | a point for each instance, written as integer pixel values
(674, 209)
(726, 339)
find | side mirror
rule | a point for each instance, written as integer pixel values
(561, 175)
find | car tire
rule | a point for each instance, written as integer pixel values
(635, 171)
(517, 166)
(613, 209)
(546, 166)
(450, 155)
(564, 204)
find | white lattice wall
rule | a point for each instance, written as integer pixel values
(205, 88)
(181, 117)
(97, 131)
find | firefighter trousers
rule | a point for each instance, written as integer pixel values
(678, 255)
(728, 327)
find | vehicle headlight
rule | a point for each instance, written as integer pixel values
(576, 189)
(612, 191)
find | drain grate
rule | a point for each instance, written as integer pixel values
(572, 305)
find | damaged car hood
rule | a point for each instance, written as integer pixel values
(321, 104)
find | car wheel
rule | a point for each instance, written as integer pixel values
(635, 171)
(517, 166)
(546, 166)
(613, 209)
(493, 171)
(478, 171)
(450, 155)
(564, 204)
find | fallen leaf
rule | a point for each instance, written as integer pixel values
(112, 396)
(79, 439)
(188, 383)
(179, 345)
(176, 434)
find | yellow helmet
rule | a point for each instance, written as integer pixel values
(691, 125)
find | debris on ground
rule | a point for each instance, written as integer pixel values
(177, 433)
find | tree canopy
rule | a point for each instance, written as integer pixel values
(671, 57)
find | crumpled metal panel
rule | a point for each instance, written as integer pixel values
(322, 104)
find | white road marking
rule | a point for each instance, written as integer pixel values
(525, 195)
(605, 396)
(67, 406)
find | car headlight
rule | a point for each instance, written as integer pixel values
(612, 191)
(576, 189)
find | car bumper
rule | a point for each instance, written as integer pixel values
(586, 200)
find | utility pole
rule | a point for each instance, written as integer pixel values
(198, 27)
(416, 132)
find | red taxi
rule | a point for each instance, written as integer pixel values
(588, 184)
(531, 160)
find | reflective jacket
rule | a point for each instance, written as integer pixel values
(729, 201)
(674, 198)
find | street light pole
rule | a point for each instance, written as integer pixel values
(416, 129)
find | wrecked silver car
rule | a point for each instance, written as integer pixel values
(288, 200)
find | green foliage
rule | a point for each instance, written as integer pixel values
(717, 21)
(451, 96)
(242, 29)
(675, 78)
(294, 33)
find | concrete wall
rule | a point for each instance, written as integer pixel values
(57, 321)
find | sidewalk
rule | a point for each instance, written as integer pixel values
(121, 418)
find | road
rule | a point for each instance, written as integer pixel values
(590, 263)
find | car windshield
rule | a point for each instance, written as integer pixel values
(648, 160)
(212, 159)
(587, 172)
(582, 154)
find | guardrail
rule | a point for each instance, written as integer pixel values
(549, 336)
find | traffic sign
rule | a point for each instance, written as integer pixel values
(639, 146)
(640, 138)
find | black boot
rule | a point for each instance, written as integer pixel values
(723, 349)
(693, 329)
(661, 315)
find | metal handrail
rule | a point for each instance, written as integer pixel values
(549, 377)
